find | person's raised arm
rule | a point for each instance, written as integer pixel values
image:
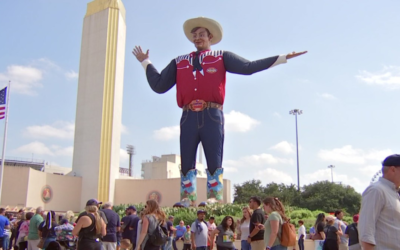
(238, 65)
(159, 82)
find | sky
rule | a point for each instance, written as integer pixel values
(347, 85)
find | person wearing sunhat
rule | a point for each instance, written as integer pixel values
(200, 78)
(379, 218)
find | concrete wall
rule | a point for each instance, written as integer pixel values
(23, 187)
(137, 191)
(14, 190)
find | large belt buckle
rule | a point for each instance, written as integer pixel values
(197, 105)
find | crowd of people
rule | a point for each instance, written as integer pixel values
(100, 228)
(260, 228)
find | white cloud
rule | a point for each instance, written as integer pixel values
(327, 96)
(39, 148)
(239, 122)
(284, 147)
(36, 148)
(272, 175)
(260, 160)
(338, 177)
(230, 170)
(124, 129)
(60, 151)
(60, 130)
(71, 74)
(348, 154)
(277, 115)
(123, 156)
(388, 77)
(24, 79)
(166, 133)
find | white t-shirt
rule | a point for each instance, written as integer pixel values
(244, 230)
(211, 227)
(302, 231)
(200, 236)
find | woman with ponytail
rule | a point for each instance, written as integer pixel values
(90, 228)
(46, 229)
(273, 225)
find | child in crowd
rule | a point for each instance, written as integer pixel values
(187, 243)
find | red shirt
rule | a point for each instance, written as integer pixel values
(208, 85)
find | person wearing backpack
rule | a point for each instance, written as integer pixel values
(273, 233)
(352, 233)
(154, 232)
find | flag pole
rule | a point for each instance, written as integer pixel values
(4, 140)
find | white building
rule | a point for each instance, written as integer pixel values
(167, 167)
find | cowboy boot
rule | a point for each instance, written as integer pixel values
(189, 188)
(215, 186)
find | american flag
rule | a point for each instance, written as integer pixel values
(3, 95)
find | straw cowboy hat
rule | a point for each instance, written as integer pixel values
(213, 26)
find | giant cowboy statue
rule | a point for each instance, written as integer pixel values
(200, 78)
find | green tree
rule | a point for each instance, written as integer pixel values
(329, 197)
(246, 190)
(287, 194)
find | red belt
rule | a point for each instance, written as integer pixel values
(200, 105)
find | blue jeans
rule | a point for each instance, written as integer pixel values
(201, 248)
(168, 244)
(6, 241)
(47, 241)
(301, 244)
(207, 127)
(245, 245)
(278, 247)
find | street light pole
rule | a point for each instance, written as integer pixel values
(331, 167)
(296, 112)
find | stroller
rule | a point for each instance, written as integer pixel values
(65, 237)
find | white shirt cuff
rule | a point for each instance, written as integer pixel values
(281, 59)
(145, 62)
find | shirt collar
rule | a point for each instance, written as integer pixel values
(388, 183)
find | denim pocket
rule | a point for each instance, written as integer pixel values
(216, 115)
(184, 117)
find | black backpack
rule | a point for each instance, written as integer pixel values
(159, 236)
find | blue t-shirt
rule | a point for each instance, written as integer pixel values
(3, 222)
(113, 223)
(180, 231)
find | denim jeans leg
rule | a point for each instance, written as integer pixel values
(212, 138)
(245, 245)
(189, 140)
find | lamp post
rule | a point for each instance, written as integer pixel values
(331, 167)
(130, 149)
(296, 112)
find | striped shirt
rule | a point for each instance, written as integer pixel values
(379, 222)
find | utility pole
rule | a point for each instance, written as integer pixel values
(130, 149)
(296, 112)
(331, 167)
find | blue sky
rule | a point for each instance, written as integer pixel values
(347, 85)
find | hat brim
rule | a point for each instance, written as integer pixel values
(213, 26)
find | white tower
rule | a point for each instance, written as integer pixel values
(99, 102)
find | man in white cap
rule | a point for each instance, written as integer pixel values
(200, 83)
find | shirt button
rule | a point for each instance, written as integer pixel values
(195, 89)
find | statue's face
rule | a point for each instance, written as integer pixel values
(201, 39)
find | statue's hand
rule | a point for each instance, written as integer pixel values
(294, 54)
(137, 51)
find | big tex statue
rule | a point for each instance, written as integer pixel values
(200, 78)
